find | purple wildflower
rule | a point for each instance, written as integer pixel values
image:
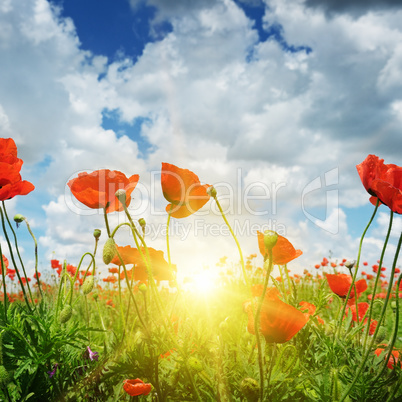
(52, 373)
(92, 355)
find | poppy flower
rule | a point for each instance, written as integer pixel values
(10, 166)
(160, 267)
(182, 188)
(393, 359)
(279, 322)
(282, 252)
(382, 182)
(340, 284)
(97, 189)
(362, 309)
(136, 387)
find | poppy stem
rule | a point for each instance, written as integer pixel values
(121, 306)
(36, 256)
(15, 265)
(384, 307)
(257, 323)
(106, 222)
(394, 335)
(3, 274)
(355, 274)
(377, 278)
(237, 242)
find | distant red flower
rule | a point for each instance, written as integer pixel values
(10, 166)
(182, 188)
(393, 359)
(55, 264)
(362, 309)
(34, 275)
(333, 264)
(317, 266)
(136, 387)
(365, 263)
(113, 270)
(6, 263)
(340, 284)
(97, 189)
(324, 262)
(283, 251)
(382, 181)
(279, 322)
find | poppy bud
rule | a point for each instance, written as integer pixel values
(381, 335)
(143, 288)
(88, 285)
(250, 389)
(95, 296)
(121, 195)
(4, 377)
(19, 218)
(97, 233)
(142, 222)
(212, 191)
(66, 313)
(109, 250)
(350, 264)
(270, 239)
(194, 364)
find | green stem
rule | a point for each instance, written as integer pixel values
(355, 274)
(121, 305)
(377, 278)
(15, 265)
(237, 243)
(365, 356)
(257, 324)
(106, 222)
(3, 274)
(36, 257)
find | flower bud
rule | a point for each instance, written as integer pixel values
(121, 195)
(194, 364)
(142, 222)
(212, 191)
(19, 218)
(381, 335)
(142, 287)
(350, 264)
(66, 313)
(270, 239)
(97, 233)
(88, 285)
(109, 250)
(250, 389)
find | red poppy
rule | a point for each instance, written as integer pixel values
(113, 270)
(324, 262)
(279, 321)
(136, 387)
(340, 284)
(160, 267)
(55, 264)
(362, 309)
(6, 263)
(182, 188)
(382, 181)
(10, 166)
(393, 359)
(97, 189)
(282, 252)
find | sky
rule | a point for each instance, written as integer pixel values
(274, 102)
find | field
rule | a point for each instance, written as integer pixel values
(331, 334)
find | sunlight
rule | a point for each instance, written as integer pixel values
(202, 283)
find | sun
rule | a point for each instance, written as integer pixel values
(202, 283)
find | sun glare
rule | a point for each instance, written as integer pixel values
(202, 283)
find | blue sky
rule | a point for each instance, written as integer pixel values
(262, 98)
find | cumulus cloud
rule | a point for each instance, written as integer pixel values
(216, 100)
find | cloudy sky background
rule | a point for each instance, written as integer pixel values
(277, 99)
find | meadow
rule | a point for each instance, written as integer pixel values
(139, 334)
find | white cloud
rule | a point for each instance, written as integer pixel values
(216, 101)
